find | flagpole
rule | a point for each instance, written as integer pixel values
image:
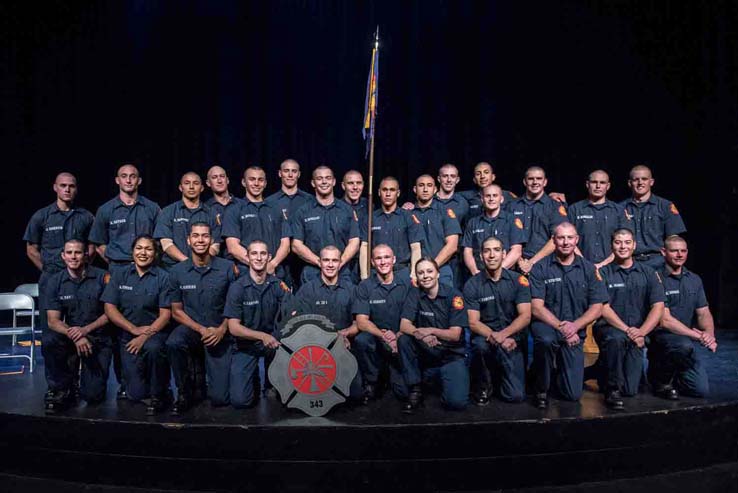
(370, 194)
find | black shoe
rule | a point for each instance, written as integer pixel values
(121, 394)
(369, 393)
(614, 400)
(482, 398)
(180, 406)
(541, 400)
(156, 406)
(414, 400)
(667, 392)
(58, 401)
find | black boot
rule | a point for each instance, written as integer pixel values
(414, 400)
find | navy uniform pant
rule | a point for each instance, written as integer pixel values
(492, 366)
(416, 357)
(677, 360)
(622, 358)
(554, 358)
(183, 347)
(244, 370)
(373, 356)
(147, 373)
(62, 365)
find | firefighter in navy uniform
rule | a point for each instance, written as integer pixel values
(567, 294)
(198, 293)
(377, 305)
(137, 301)
(634, 309)
(677, 349)
(252, 307)
(499, 309)
(433, 317)
(78, 330)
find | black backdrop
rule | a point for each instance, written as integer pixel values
(180, 85)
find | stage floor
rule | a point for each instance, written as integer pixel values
(23, 394)
(363, 448)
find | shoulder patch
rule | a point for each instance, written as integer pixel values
(106, 277)
(415, 219)
(458, 302)
(284, 287)
(673, 209)
(523, 281)
(518, 223)
(451, 213)
(562, 210)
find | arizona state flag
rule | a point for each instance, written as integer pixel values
(370, 103)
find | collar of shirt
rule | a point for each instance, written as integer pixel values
(249, 281)
(153, 270)
(181, 206)
(606, 204)
(444, 291)
(633, 268)
(213, 201)
(54, 208)
(578, 262)
(543, 199)
(89, 273)
(120, 203)
(685, 273)
(190, 265)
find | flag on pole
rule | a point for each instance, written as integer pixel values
(370, 103)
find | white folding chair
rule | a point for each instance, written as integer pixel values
(19, 302)
(30, 290)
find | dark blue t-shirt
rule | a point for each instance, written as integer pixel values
(382, 303)
(652, 221)
(445, 311)
(78, 300)
(497, 301)
(595, 224)
(117, 225)
(632, 291)
(684, 295)
(138, 298)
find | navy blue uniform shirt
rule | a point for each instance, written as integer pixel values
(174, 223)
(458, 204)
(397, 230)
(202, 290)
(567, 290)
(334, 302)
(497, 301)
(78, 300)
(437, 222)
(138, 298)
(445, 311)
(684, 294)
(289, 204)
(50, 228)
(539, 217)
(255, 305)
(632, 291)
(382, 303)
(595, 224)
(318, 226)
(218, 211)
(250, 221)
(506, 227)
(117, 225)
(652, 221)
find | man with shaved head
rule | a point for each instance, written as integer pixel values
(121, 219)
(173, 224)
(48, 230)
(440, 225)
(484, 175)
(653, 218)
(596, 218)
(567, 295)
(324, 221)
(117, 224)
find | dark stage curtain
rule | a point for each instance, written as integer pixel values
(180, 85)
